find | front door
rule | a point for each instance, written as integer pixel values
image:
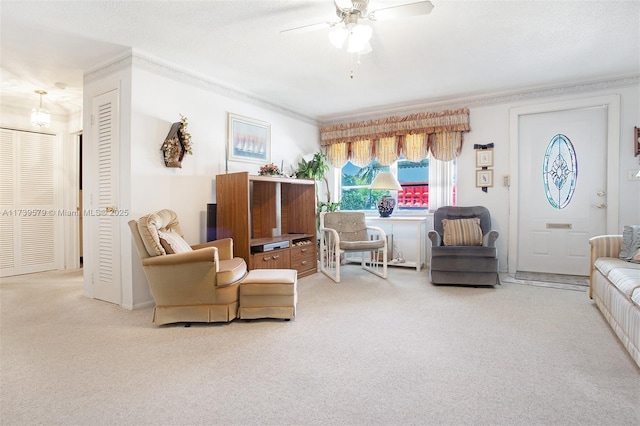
(562, 167)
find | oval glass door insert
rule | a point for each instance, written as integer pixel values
(560, 171)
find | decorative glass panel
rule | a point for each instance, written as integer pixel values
(560, 171)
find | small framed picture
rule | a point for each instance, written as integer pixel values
(249, 140)
(484, 158)
(484, 178)
(636, 140)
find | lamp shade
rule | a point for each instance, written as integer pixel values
(386, 180)
(39, 116)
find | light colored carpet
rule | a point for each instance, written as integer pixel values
(365, 351)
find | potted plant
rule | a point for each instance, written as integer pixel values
(316, 169)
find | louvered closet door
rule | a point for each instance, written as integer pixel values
(105, 228)
(28, 191)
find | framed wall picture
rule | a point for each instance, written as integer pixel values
(484, 178)
(636, 140)
(484, 158)
(249, 140)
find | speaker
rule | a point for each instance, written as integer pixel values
(211, 222)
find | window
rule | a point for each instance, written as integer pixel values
(414, 177)
(355, 182)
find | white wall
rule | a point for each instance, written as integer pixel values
(490, 124)
(156, 103)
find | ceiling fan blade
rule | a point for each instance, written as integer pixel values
(308, 28)
(402, 11)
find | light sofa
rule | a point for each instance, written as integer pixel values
(615, 288)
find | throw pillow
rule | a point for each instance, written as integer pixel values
(630, 242)
(636, 258)
(462, 232)
(173, 243)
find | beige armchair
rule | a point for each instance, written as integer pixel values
(342, 232)
(189, 283)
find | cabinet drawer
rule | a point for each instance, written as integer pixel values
(304, 263)
(302, 251)
(278, 259)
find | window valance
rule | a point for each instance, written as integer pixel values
(439, 132)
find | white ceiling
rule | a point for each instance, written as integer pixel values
(462, 49)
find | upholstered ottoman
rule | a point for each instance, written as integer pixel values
(269, 293)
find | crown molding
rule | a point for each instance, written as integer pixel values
(148, 63)
(157, 66)
(118, 63)
(486, 100)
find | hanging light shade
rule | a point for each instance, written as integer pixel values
(356, 37)
(40, 116)
(338, 37)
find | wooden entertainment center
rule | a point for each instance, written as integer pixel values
(271, 219)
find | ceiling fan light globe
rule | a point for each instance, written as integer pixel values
(338, 37)
(354, 46)
(362, 33)
(366, 48)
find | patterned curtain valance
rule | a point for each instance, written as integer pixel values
(428, 122)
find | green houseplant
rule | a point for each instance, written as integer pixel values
(316, 169)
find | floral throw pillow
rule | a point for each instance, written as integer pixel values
(630, 242)
(173, 243)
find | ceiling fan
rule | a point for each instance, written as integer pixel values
(351, 11)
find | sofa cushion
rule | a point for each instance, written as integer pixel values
(149, 225)
(630, 242)
(624, 275)
(462, 232)
(635, 297)
(607, 264)
(625, 279)
(173, 243)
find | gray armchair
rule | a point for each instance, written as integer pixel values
(463, 253)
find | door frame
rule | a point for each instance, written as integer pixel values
(612, 102)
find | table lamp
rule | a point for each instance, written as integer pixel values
(386, 181)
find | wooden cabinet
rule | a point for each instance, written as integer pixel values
(275, 259)
(259, 210)
(303, 257)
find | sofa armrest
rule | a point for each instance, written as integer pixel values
(603, 246)
(209, 254)
(434, 237)
(224, 246)
(490, 238)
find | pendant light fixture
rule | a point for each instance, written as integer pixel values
(40, 116)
